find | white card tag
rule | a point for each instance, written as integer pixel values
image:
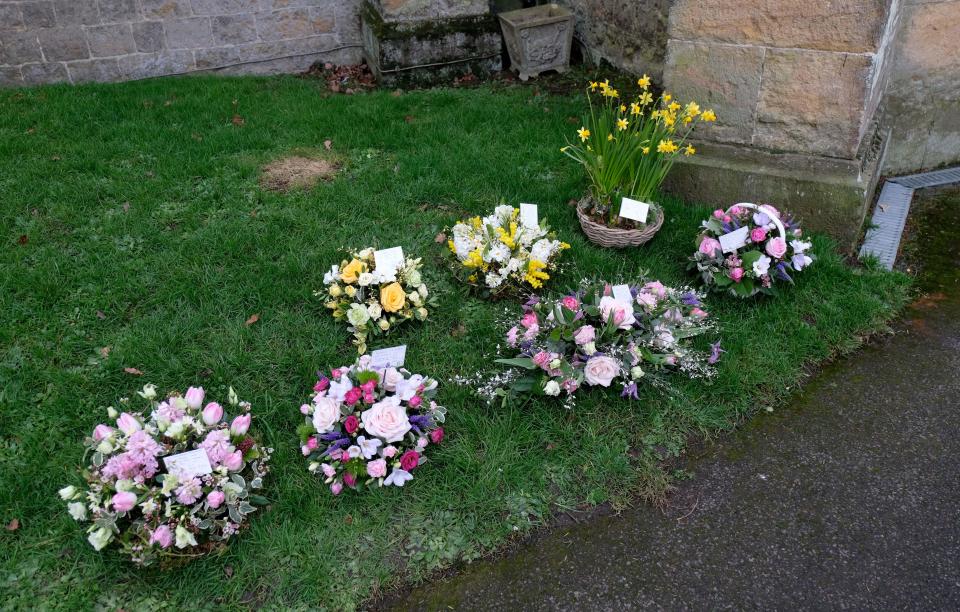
(529, 216)
(387, 261)
(190, 463)
(632, 209)
(734, 240)
(622, 294)
(392, 357)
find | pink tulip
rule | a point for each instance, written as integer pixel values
(128, 423)
(215, 498)
(194, 397)
(709, 246)
(335, 488)
(162, 536)
(736, 274)
(124, 501)
(102, 431)
(212, 413)
(233, 461)
(240, 425)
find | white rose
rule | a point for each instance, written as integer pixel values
(413, 278)
(326, 413)
(374, 310)
(422, 290)
(601, 371)
(390, 378)
(357, 315)
(386, 419)
(364, 279)
(77, 510)
(552, 388)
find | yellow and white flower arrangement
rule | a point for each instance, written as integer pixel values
(374, 301)
(498, 254)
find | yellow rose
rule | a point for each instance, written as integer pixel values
(335, 290)
(350, 273)
(351, 291)
(392, 297)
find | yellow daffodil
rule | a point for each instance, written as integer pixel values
(564, 246)
(644, 81)
(593, 85)
(609, 136)
(708, 116)
(669, 120)
(623, 108)
(473, 260)
(634, 108)
(687, 119)
(535, 274)
(693, 109)
(689, 150)
(477, 222)
(646, 98)
(667, 146)
(583, 133)
(667, 97)
(674, 107)
(646, 150)
(622, 124)
(451, 246)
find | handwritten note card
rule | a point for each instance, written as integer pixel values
(392, 357)
(622, 294)
(734, 240)
(388, 260)
(632, 209)
(529, 216)
(190, 463)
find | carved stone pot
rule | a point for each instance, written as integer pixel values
(538, 39)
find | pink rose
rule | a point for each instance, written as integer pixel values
(601, 370)
(124, 501)
(377, 468)
(621, 314)
(777, 248)
(326, 413)
(240, 425)
(386, 419)
(698, 312)
(570, 303)
(312, 443)
(128, 423)
(304, 409)
(390, 378)
(102, 431)
(415, 401)
(718, 214)
(349, 479)
(735, 210)
(212, 413)
(353, 396)
(758, 234)
(727, 218)
(709, 246)
(736, 274)
(569, 385)
(542, 359)
(529, 320)
(328, 470)
(215, 498)
(436, 436)
(390, 451)
(351, 423)
(194, 397)
(162, 536)
(584, 335)
(409, 460)
(233, 461)
(656, 288)
(646, 300)
(335, 488)
(322, 385)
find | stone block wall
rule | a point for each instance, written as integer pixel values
(783, 75)
(922, 104)
(45, 41)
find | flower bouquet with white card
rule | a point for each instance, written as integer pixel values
(174, 481)
(627, 146)
(507, 252)
(370, 424)
(750, 249)
(375, 292)
(603, 335)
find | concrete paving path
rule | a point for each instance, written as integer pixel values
(848, 499)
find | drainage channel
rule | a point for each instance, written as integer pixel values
(890, 216)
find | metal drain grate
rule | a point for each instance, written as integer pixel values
(889, 217)
(929, 179)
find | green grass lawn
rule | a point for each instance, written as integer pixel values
(132, 219)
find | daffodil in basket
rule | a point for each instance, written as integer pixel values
(627, 148)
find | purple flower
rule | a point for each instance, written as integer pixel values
(781, 272)
(715, 351)
(690, 299)
(630, 391)
(420, 422)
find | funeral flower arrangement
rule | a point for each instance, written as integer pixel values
(143, 497)
(370, 428)
(764, 247)
(375, 301)
(628, 146)
(591, 338)
(499, 254)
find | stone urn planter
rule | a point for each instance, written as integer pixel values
(538, 39)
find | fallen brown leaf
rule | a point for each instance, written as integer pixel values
(327, 144)
(397, 93)
(253, 319)
(440, 238)
(23, 239)
(105, 351)
(409, 119)
(126, 207)
(348, 519)
(133, 371)
(13, 525)
(101, 315)
(228, 570)
(237, 120)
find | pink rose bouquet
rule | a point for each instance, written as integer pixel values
(370, 427)
(764, 247)
(591, 338)
(175, 481)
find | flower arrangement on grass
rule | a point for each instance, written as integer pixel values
(500, 255)
(770, 250)
(371, 301)
(627, 147)
(591, 338)
(143, 496)
(367, 427)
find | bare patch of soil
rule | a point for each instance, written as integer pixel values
(297, 172)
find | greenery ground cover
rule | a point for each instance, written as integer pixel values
(136, 235)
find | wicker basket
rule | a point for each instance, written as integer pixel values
(616, 237)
